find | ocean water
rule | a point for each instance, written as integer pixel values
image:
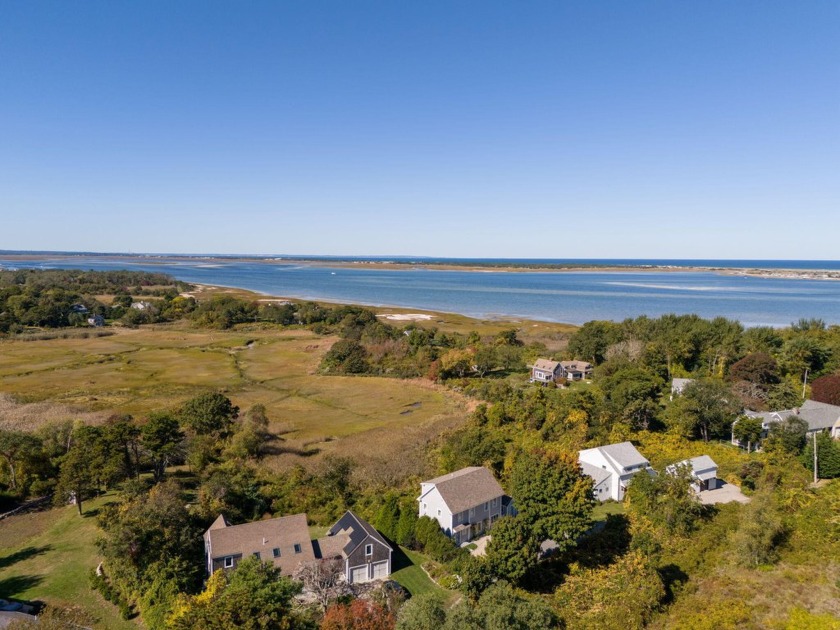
(570, 296)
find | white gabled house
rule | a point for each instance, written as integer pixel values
(703, 472)
(612, 467)
(465, 503)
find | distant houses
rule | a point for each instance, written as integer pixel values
(548, 371)
(611, 468)
(465, 503)
(285, 543)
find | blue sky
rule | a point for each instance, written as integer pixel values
(504, 129)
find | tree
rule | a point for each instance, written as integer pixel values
(346, 356)
(788, 435)
(748, 430)
(828, 456)
(759, 368)
(17, 448)
(826, 389)
(78, 470)
(323, 578)
(591, 340)
(161, 438)
(632, 396)
(552, 495)
(422, 612)
(358, 615)
(211, 414)
(667, 501)
(759, 533)
(513, 548)
(623, 594)
(252, 597)
(706, 408)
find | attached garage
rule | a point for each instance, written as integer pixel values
(359, 574)
(380, 570)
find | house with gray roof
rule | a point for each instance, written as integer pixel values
(546, 371)
(576, 370)
(366, 554)
(283, 541)
(818, 416)
(465, 503)
(611, 468)
(703, 470)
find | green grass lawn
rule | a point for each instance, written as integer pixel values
(46, 556)
(602, 510)
(410, 575)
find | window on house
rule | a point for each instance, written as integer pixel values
(257, 555)
(298, 548)
(438, 512)
(276, 552)
(368, 550)
(228, 562)
(486, 505)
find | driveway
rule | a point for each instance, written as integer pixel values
(480, 545)
(727, 493)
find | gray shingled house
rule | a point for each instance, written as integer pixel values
(285, 542)
(366, 554)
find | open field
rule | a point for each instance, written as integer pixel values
(46, 556)
(159, 367)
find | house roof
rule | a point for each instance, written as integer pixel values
(263, 537)
(623, 454)
(467, 488)
(581, 366)
(353, 530)
(598, 474)
(546, 364)
(818, 415)
(702, 467)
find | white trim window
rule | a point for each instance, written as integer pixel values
(368, 550)
(228, 562)
(298, 548)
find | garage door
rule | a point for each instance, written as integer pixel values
(380, 570)
(358, 574)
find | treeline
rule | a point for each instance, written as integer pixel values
(58, 298)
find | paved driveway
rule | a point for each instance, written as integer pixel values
(480, 545)
(727, 493)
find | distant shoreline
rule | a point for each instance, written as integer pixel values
(507, 266)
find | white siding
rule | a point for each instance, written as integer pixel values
(433, 505)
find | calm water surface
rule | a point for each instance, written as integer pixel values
(574, 297)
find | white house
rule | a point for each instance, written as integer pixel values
(703, 472)
(819, 417)
(465, 502)
(612, 467)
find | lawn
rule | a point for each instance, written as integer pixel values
(409, 573)
(602, 510)
(46, 556)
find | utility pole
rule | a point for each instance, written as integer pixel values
(804, 383)
(816, 478)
